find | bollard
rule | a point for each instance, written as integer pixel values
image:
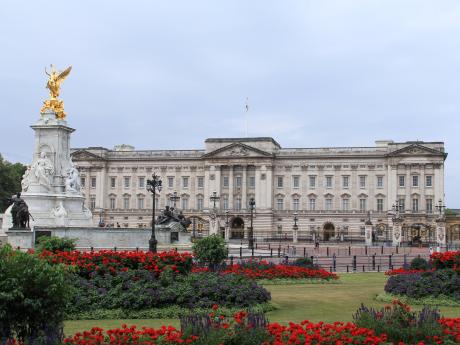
(334, 262)
(390, 263)
(363, 268)
(354, 263)
(271, 252)
(347, 269)
(381, 251)
(279, 251)
(304, 252)
(241, 252)
(373, 262)
(327, 251)
(378, 268)
(349, 250)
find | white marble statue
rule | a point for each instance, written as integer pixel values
(73, 182)
(60, 214)
(42, 170)
(25, 182)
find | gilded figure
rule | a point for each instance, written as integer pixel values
(55, 78)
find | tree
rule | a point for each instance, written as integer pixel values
(210, 250)
(10, 181)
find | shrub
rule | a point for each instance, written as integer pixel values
(419, 264)
(442, 282)
(56, 244)
(399, 323)
(33, 298)
(210, 251)
(445, 260)
(305, 262)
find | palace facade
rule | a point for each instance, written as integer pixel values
(331, 191)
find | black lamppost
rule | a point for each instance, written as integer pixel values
(214, 197)
(440, 208)
(226, 224)
(152, 186)
(193, 227)
(174, 197)
(252, 205)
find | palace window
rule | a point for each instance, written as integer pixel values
(200, 203)
(83, 181)
(126, 203)
(113, 182)
(113, 203)
(184, 203)
(141, 182)
(379, 181)
(238, 203)
(93, 182)
(362, 204)
(312, 204)
(328, 204)
(279, 181)
(296, 181)
(415, 205)
(428, 181)
(140, 203)
(225, 202)
(362, 230)
(279, 204)
(238, 181)
(312, 181)
(362, 181)
(379, 205)
(127, 181)
(170, 182)
(345, 204)
(295, 204)
(92, 203)
(328, 181)
(252, 181)
(185, 182)
(414, 180)
(402, 180)
(200, 182)
(345, 181)
(402, 204)
(429, 205)
(225, 181)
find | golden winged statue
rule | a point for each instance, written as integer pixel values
(54, 85)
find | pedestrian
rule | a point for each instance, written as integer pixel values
(118, 225)
(431, 250)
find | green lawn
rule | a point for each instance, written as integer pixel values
(315, 302)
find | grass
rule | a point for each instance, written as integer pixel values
(295, 302)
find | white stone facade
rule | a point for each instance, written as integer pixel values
(332, 190)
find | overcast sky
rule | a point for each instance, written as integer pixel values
(168, 74)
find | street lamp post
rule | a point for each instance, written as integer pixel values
(440, 207)
(252, 205)
(174, 197)
(153, 185)
(214, 197)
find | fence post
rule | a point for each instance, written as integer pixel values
(327, 251)
(231, 260)
(405, 261)
(252, 251)
(114, 249)
(279, 251)
(390, 263)
(397, 250)
(334, 262)
(378, 268)
(349, 251)
(373, 262)
(363, 268)
(381, 250)
(137, 249)
(271, 252)
(92, 249)
(348, 269)
(269, 246)
(304, 252)
(241, 252)
(354, 263)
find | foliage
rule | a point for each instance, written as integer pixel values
(108, 261)
(33, 297)
(305, 262)
(10, 181)
(434, 283)
(141, 290)
(56, 244)
(437, 301)
(402, 270)
(400, 324)
(210, 250)
(450, 259)
(419, 264)
(172, 311)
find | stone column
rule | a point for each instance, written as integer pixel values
(230, 188)
(244, 204)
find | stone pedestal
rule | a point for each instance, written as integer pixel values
(23, 239)
(441, 232)
(396, 234)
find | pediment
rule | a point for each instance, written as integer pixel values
(416, 150)
(237, 150)
(83, 155)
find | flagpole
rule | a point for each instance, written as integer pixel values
(246, 117)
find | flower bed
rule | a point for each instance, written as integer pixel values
(253, 269)
(246, 328)
(401, 270)
(449, 259)
(109, 261)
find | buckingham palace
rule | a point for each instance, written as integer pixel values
(330, 193)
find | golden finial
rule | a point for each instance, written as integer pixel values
(55, 79)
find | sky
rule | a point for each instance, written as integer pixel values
(169, 74)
